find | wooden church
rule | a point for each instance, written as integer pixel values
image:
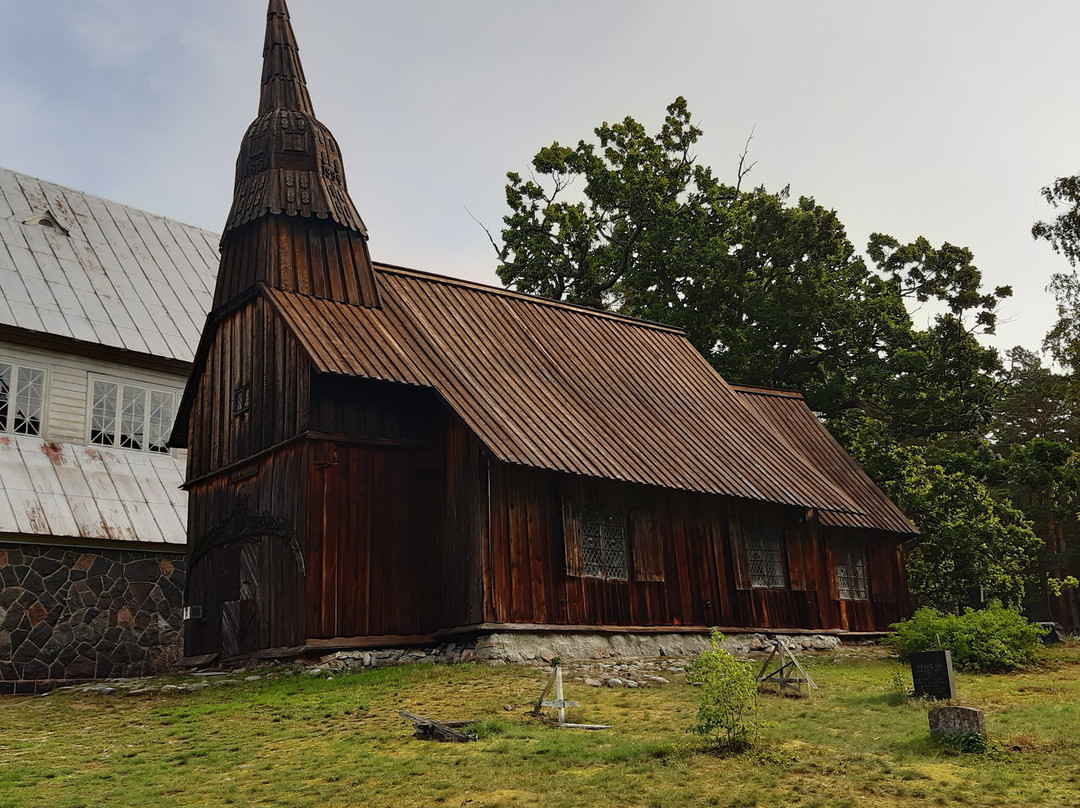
(379, 455)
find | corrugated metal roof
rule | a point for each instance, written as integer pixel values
(560, 387)
(796, 423)
(83, 492)
(120, 277)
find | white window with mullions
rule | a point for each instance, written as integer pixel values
(131, 416)
(22, 399)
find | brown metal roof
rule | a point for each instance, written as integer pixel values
(560, 387)
(794, 421)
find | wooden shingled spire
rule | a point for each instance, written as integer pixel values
(283, 82)
(293, 225)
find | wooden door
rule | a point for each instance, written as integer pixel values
(241, 619)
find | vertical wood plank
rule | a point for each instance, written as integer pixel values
(739, 562)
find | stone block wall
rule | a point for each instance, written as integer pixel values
(87, 614)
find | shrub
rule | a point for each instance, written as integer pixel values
(991, 639)
(728, 697)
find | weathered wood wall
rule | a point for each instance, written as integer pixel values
(394, 519)
(246, 467)
(373, 551)
(297, 254)
(246, 550)
(525, 564)
(251, 348)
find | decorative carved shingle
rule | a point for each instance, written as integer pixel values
(290, 164)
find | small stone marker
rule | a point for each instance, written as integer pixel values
(957, 721)
(932, 674)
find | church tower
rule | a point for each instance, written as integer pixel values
(293, 237)
(292, 225)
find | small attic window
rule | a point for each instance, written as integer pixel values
(48, 221)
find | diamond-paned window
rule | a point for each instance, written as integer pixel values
(851, 579)
(131, 416)
(603, 543)
(766, 561)
(22, 399)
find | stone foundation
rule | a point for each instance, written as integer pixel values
(583, 648)
(572, 645)
(87, 614)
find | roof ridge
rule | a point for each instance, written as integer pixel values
(106, 199)
(764, 390)
(487, 288)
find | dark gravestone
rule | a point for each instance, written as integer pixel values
(976, 597)
(932, 674)
(1054, 633)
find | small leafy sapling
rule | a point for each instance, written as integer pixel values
(728, 701)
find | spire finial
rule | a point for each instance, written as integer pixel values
(283, 82)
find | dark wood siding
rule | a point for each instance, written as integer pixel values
(461, 570)
(380, 411)
(394, 524)
(245, 471)
(371, 544)
(526, 562)
(250, 348)
(299, 255)
(257, 506)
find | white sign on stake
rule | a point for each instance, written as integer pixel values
(559, 702)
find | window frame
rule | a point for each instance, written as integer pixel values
(148, 390)
(760, 533)
(845, 556)
(642, 537)
(7, 423)
(605, 518)
(750, 521)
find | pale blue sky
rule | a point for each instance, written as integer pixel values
(936, 118)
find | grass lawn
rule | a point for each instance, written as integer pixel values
(296, 740)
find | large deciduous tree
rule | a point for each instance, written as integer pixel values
(1063, 231)
(771, 291)
(1046, 478)
(1063, 235)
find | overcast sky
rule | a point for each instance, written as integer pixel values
(936, 118)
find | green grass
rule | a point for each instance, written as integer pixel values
(304, 741)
